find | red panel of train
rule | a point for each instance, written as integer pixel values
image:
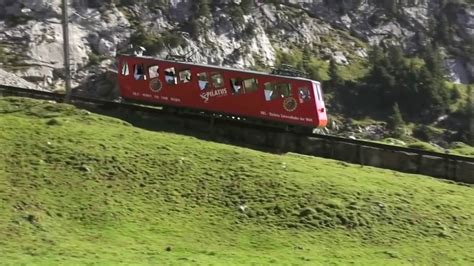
(290, 100)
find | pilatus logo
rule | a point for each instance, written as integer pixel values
(155, 85)
(215, 93)
(290, 104)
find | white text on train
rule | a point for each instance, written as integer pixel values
(215, 93)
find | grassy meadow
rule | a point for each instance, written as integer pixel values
(79, 188)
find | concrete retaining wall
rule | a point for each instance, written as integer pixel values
(396, 160)
(465, 172)
(232, 133)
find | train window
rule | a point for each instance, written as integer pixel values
(268, 91)
(236, 86)
(250, 85)
(283, 90)
(276, 91)
(185, 76)
(153, 71)
(125, 70)
(303, 94)
(170, 76)
(139, 72)
(318, 91)
(203, 81)
(217, 80)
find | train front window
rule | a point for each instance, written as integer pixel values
(217, 80)
(303, 94)
(153, 71)
(283, 89)
(250, 85)
(318, 91)
(170, 76)
(277, 91)
(125, 70)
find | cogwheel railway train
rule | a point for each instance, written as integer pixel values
(248, 94)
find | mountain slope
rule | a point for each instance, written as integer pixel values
(247, 33)
(80, 188)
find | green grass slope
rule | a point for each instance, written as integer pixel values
(80, 188)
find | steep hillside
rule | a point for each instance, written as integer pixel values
(332, 41)
(81, 188)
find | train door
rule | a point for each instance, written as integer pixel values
(139, 79)
(320, 107)
(125, 77)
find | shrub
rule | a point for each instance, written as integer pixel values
(426, 133)
(424, 146)
(396, 123)
(94, 59)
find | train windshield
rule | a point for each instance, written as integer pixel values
(319, 101)
(319, 92)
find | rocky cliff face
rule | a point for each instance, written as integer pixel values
(247, 34)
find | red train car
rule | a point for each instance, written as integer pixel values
(285, 99)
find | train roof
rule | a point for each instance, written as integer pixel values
(217, 67)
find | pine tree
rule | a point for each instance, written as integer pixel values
(396, 123)
(380, 80)
(391, 6)
(466, 112)
(470, 115)
(434, 63)
(203, 9)
(443, 29)
(335, 78)
(247, 5)
(376, 55)
(434, 90)
(396, 57)
(306, 58)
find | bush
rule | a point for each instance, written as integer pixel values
(396, 123)
(146, 39)
(424, 146)
(94, 59)
(173, 39)
(427, 133)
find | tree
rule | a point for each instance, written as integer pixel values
(470, 115)
(395, 122)
(433, 89)
(380, 80)
(467, 129)
(247, 5)
(433, 95)
(335, 79)
(203, 8)
(391, 6)
(443, 28)
(151, 41)
(434, 62)
(306, 58)
(396, 58)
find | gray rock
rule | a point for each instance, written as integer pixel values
(107, 47)
(340, 58)
(10, 79)
(457, 71)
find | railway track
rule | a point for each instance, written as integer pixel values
(442, 165)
